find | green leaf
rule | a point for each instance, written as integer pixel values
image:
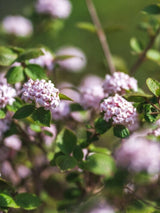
(35, 71)
(120, 131)
(15, 106)
(135, 45)
(96, 149)
(17, 50)
(30, 54)
(100, 164)
(154, 86)
(101, 125)
(66, 141)
(75, 107)
(66, 162)
(6, 186)
(148, 109)
(24, 111)
(35, 127)
(7, 201)
(153, 55)
(77, 153)
(86, 26)
(2, 114)
(15, 74)
(63, 57)
(27, 201)
(153, 9)
(64, 97)
(7, 56)
(137, 96)
(42, 116)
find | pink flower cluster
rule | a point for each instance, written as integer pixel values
(91, 92)
(7, 95)
(119, 110)
(138, 154)
(75, 63)
(62, 111)
(45, 60)
(55, 8)
(42, 92)
(17, 25)
(119, 83)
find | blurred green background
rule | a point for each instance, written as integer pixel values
(119, 19)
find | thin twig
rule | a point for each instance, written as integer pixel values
(142, 56)
(101, 35)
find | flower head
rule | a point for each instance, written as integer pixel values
(91, 92)
(17, 25)
(55, 8)
(42, 92)
(45, 60)
(119, 83)
(75, 63)
(119, 110)
(13, 142)
(62, 111)
(7, 94)
(138, 154)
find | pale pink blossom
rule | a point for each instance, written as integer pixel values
(91, 92)
(118, 110)
(45, 60)
(7, 94)
(119, 83)
(13, 142)
(75, 63)
(42, 92)
(17, 25)
(55, 8)
(62, 111)
(23, 171)
(138, 154)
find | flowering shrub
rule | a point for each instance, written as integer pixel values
(86, 146)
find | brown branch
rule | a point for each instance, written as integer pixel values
(101, 35)
(142, 56)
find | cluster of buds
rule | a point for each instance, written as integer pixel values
(62, 111)
(119, 83)
(57, 9)
(76, 60)
(91, 92)
(119, 110)
(42, 92)
(17, 25)
(7, 94)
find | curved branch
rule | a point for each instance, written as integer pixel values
(101, 35)
(142, 56)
